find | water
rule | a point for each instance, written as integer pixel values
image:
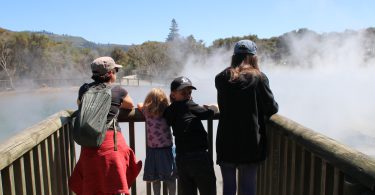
(336, 104)
(22, 109)
(332, 105)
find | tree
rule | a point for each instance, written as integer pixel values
(121, 57)
(173, 33)
(5, 60)
(149, 59)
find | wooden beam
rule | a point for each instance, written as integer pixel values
(26, 140)
(359, 166)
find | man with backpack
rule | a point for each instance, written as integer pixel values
(107, 165)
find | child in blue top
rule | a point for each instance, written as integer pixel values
(159, 163)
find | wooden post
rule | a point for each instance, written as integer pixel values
(58, 165)
(52, 164)
(338, 182)
(132, 145)
(8, 179)
(19, 175)
(210, 137)
(46, 167)
(29, 173)
(1, 184)
(38, 170)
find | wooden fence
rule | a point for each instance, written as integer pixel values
(304, 162)
(40, 159)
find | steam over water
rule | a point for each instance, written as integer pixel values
(328, 86)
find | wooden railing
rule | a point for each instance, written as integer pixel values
(40, 159)
(304, 162)
(138, 82)
(129, 81)
(5, 84)
(300, 161)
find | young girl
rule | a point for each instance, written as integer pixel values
(159, 163)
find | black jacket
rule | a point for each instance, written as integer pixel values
(185, 118)
(244, 105)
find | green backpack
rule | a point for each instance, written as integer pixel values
(90, 125)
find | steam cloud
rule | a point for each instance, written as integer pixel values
(325, 84)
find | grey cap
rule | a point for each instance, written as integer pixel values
(245, 46)
(101, 66)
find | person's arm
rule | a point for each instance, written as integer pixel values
(200, 111)
(269, 105)
(168, 116)
(127, 102)
(81, 91)
(213, 107)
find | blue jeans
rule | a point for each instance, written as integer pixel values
(247, 174)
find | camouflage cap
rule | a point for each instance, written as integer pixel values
(101, 66)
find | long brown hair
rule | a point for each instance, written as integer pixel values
(156, 102)
(243, 64)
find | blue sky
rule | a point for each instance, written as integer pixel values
(134, 22)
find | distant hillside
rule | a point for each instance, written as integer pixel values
(44, 54)
(78, 41)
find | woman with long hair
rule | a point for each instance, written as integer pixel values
(245, 102)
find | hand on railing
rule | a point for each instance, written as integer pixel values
(212, 107)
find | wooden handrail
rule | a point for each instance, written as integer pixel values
(40, 159)
(353, 163)
(325, 161)
(26, 140)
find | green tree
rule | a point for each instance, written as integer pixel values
(149, 59)
(121, 57)
(173, 31)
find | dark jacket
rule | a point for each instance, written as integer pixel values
(245, 105)
(185, 118)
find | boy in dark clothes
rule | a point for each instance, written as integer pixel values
(194, 166)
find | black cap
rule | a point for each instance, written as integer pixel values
(180, 83)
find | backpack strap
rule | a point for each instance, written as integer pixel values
(113, 122)
(115, 132)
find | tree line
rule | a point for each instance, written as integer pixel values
(28, 55)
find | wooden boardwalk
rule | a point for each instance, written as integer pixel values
(40, 159)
